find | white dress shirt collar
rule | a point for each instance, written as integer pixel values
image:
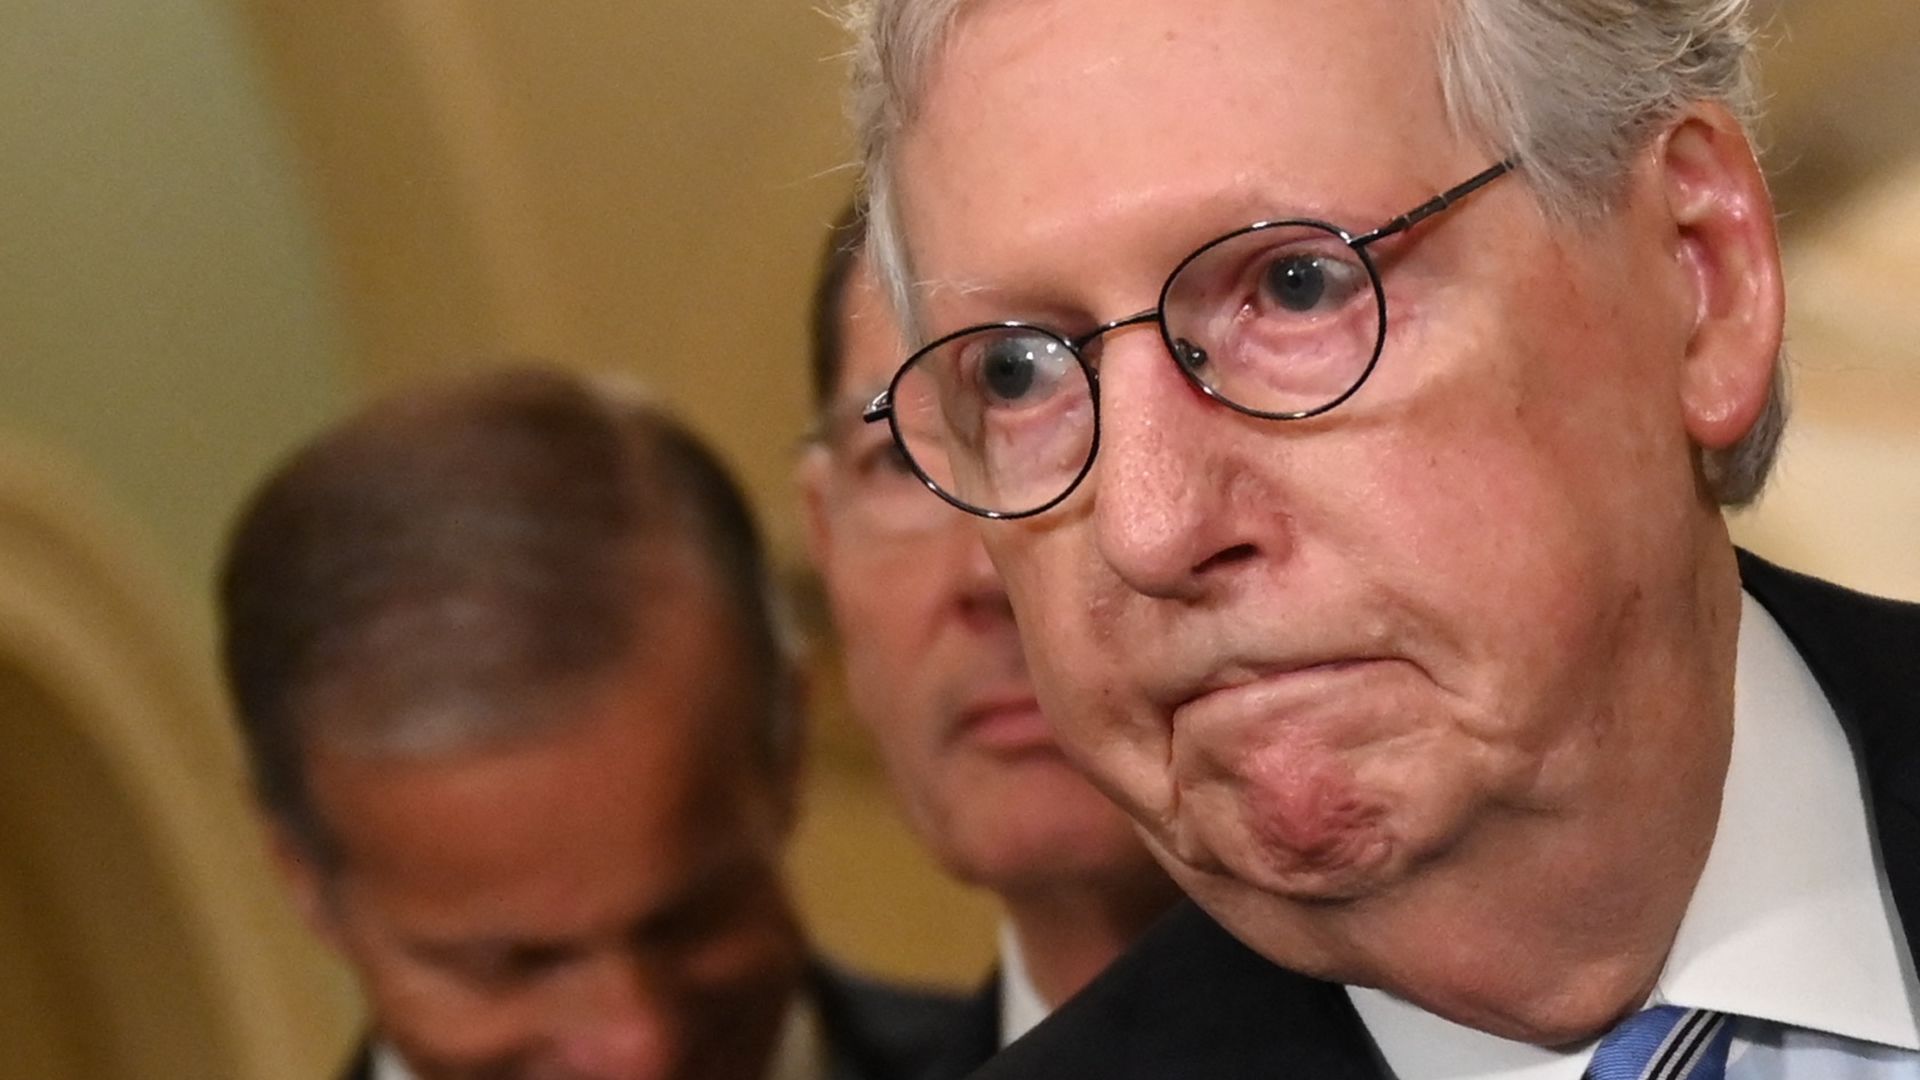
(387, 1064)
(1792, 920)
(1021, 1006)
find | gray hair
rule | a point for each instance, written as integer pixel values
(1572, 88)
(453, 566)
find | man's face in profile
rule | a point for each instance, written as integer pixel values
(934, 667)
(604, 901)
(1314, 658)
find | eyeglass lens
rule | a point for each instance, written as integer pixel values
(1281, 320)
(1000, 419)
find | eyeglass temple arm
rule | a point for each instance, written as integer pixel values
(1439, 202)
(879, 408)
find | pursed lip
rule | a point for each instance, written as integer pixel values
(1004, 723)
(1268, 679)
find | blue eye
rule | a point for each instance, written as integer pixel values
(1297, 284)
(1006, 369)
(1302, 282)
(1015, 369)
(1007, 372)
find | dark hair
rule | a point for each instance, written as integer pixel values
(437, 568)
(827, 315)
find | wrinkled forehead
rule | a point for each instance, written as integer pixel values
(1041, 122)
(921, 43)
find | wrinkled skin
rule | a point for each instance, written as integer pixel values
(1376, 682)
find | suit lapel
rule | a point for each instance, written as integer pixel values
(976, 1036)
(1247, 1016)
(1864, 652)
(1190, 1000)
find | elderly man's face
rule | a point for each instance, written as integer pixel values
(934, 668)
(1315, 657)
(601, 903)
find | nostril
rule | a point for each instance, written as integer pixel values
(1226, 557)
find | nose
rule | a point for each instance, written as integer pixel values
(1166, 518)
(977, 589)
(622, 1027)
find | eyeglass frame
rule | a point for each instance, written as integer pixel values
(830, 436)
(881, 407)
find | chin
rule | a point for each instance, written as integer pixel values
(1046, 858)
(1321, 841)
(1351, 866)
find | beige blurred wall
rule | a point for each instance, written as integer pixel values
(167, 326)
(1845, 500)
(609, 185)
(167, 317)
(221, 225)
(224, 222)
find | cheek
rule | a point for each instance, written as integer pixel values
(877, 601)
(1512, 588)
(1563, 397)
(1072, 631)
(904, 669)
(1044, 585)
(1492, 502)
(885, 619)
(1500, 580)
(1050, 576)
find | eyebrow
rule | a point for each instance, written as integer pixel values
(488, 950)
(706, 886)
(1049, 302)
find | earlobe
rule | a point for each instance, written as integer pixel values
(1717, 200)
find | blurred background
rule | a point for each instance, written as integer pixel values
(224, 223)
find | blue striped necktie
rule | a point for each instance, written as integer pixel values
(1664, 1043)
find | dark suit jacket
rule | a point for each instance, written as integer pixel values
(973, 1037)
(1190, 1001)
(877, 1031)
(873, 1030)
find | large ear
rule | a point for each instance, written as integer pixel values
(1718, 203)
(308, 880)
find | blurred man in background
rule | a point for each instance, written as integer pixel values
(935, 674)
(523, 729)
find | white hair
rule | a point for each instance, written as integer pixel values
(1573, 89)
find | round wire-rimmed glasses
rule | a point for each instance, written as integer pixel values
(1280, 320)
